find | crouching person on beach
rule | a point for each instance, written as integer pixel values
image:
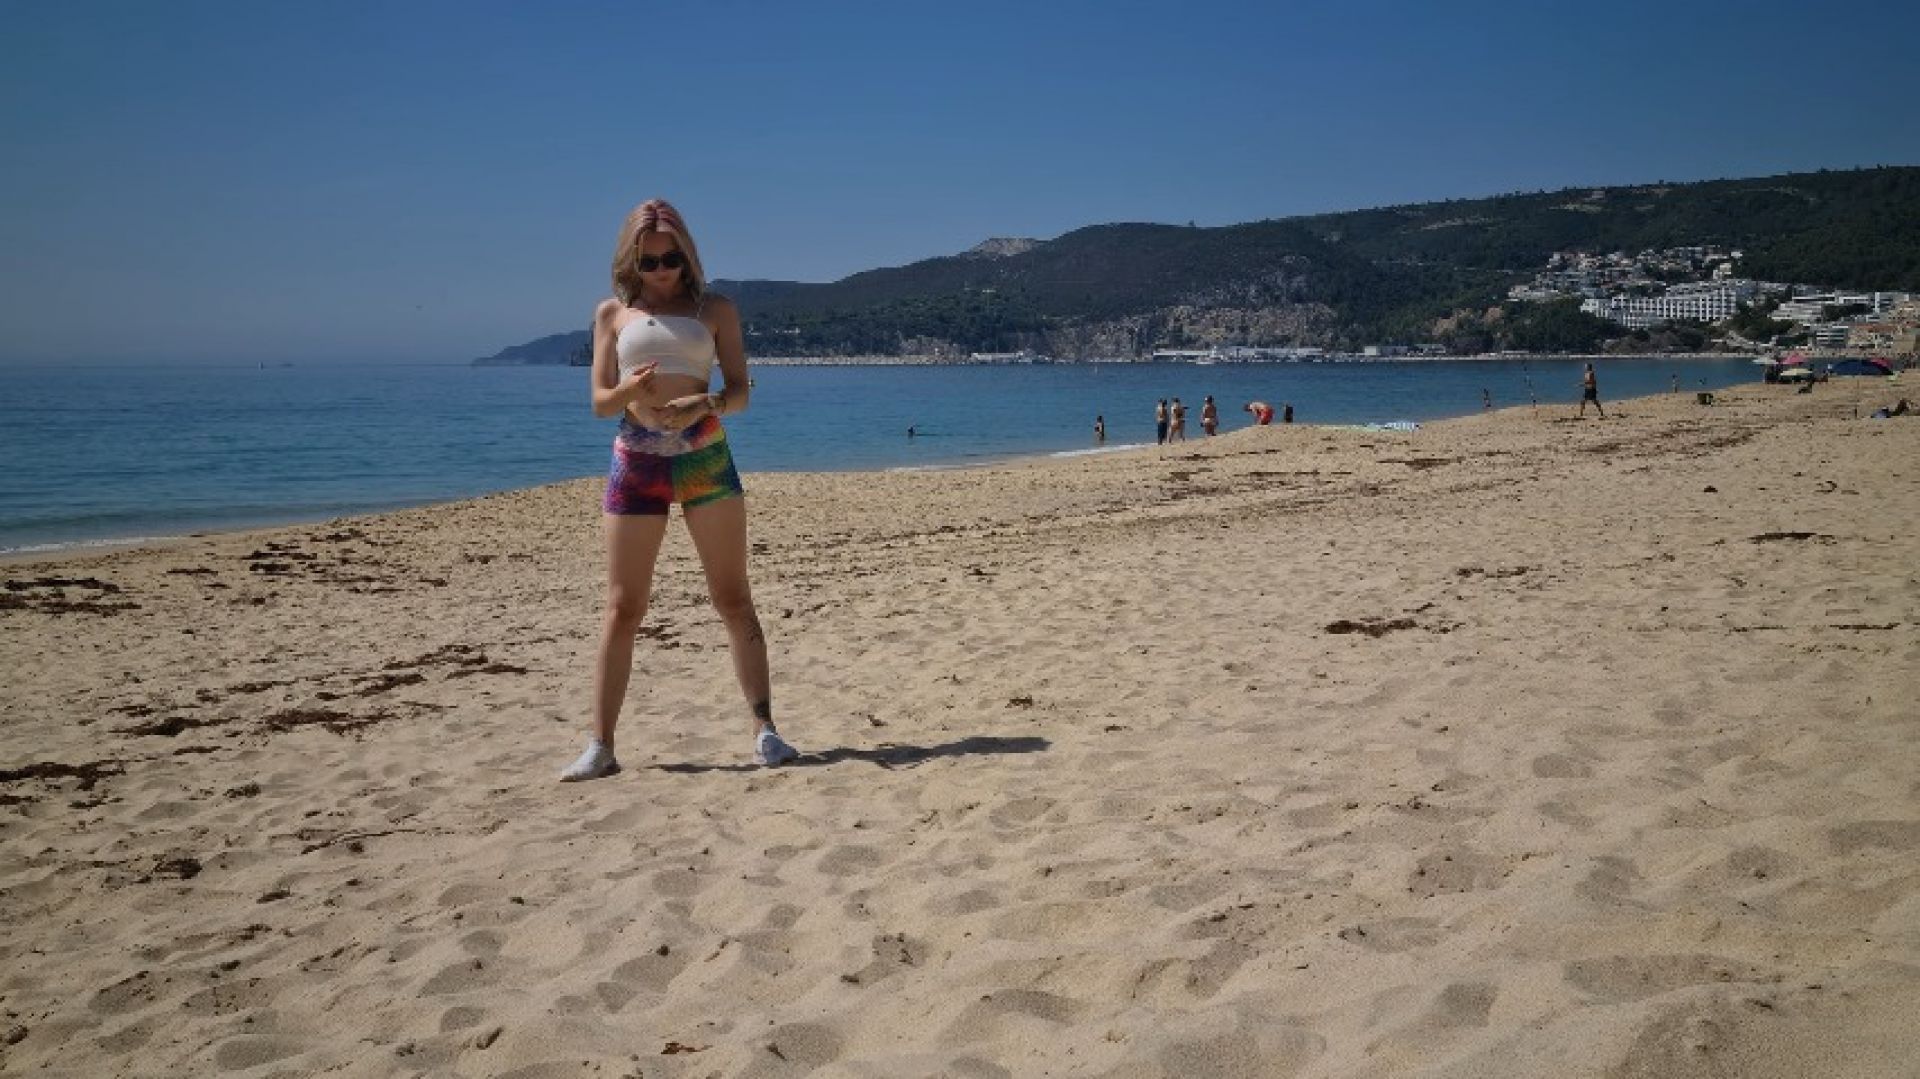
(655, 344)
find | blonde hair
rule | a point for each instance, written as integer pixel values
(654, 215)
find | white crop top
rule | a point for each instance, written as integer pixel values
(680, 344)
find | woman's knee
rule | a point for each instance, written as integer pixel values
(734, 607)
(626, 609)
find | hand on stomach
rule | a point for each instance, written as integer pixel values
(662, 389)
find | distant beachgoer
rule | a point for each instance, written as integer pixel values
(1160, 419)
(1099, 428)
(1177, 431)
(1262, 412)
(1486, 397)
(655, 344)
(1676, 384)
(910, 431)
(1209, 416)
(1286, 413)
(1590, 391)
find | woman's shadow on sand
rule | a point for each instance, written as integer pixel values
(886, 755)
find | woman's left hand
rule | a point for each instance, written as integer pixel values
(684, 411)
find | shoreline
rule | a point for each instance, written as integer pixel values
(144, 536)
(1328, 358)
(1515, 745)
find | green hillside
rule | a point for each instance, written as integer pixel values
(1339, 280)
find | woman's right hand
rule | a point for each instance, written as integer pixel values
(638, 384)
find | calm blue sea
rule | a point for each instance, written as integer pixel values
(94, 454)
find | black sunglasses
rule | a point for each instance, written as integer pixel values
(672, 260)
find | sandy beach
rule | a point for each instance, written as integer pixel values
(1514, 746)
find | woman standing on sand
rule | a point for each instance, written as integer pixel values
(654, 346)
(1209, 416)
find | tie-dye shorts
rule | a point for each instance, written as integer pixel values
(654, 469)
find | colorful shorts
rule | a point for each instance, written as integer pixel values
(654, 469)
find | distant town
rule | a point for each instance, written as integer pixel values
(1701, 285)
(1697, 287)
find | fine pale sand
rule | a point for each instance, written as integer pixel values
(1516, 746)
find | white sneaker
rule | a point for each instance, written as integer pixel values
(595, 763)
(770, 750)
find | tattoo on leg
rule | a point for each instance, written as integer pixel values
(763, 711)
(754, 632)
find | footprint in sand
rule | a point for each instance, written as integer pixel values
(1893, 835)
(482, 942)
(1610, 882)
(460, 1017)
(845, 861)
(619, 820)
(653, 971)
(1567, 814)
(1617, 979)
(1462, 1004)
(239, 1054)
(1242, 1050)
(1450, 872)
(802, 1045)
(1393, 934)
(971, 901)
(228, 998)
(1000, 1012)
(614, 996)
(680, 882)
(457, 977)
(892, 952)
(133, 992)
(1561, 766)
(1020, 811)
(127, 1038)
(1759, 863)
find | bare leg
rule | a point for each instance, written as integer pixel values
(719, 531)
(633, 545)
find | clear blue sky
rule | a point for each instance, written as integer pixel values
(433, 181)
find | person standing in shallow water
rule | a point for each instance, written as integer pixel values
(1100, 429)
(654, 347)
(1160, 416)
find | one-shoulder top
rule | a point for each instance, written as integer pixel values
(680, 344)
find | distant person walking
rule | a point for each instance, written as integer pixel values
(1286, 413)
(1590, 391)
(1486, 398)
(1100, 429)
(655, 344)
(1262, 412)
(1178, 431)
(1160, 419)
(1209, 416)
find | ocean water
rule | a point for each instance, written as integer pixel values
(97, 454)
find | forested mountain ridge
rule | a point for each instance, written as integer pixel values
(1341, 280)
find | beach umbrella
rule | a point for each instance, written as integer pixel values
(1878, 368)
